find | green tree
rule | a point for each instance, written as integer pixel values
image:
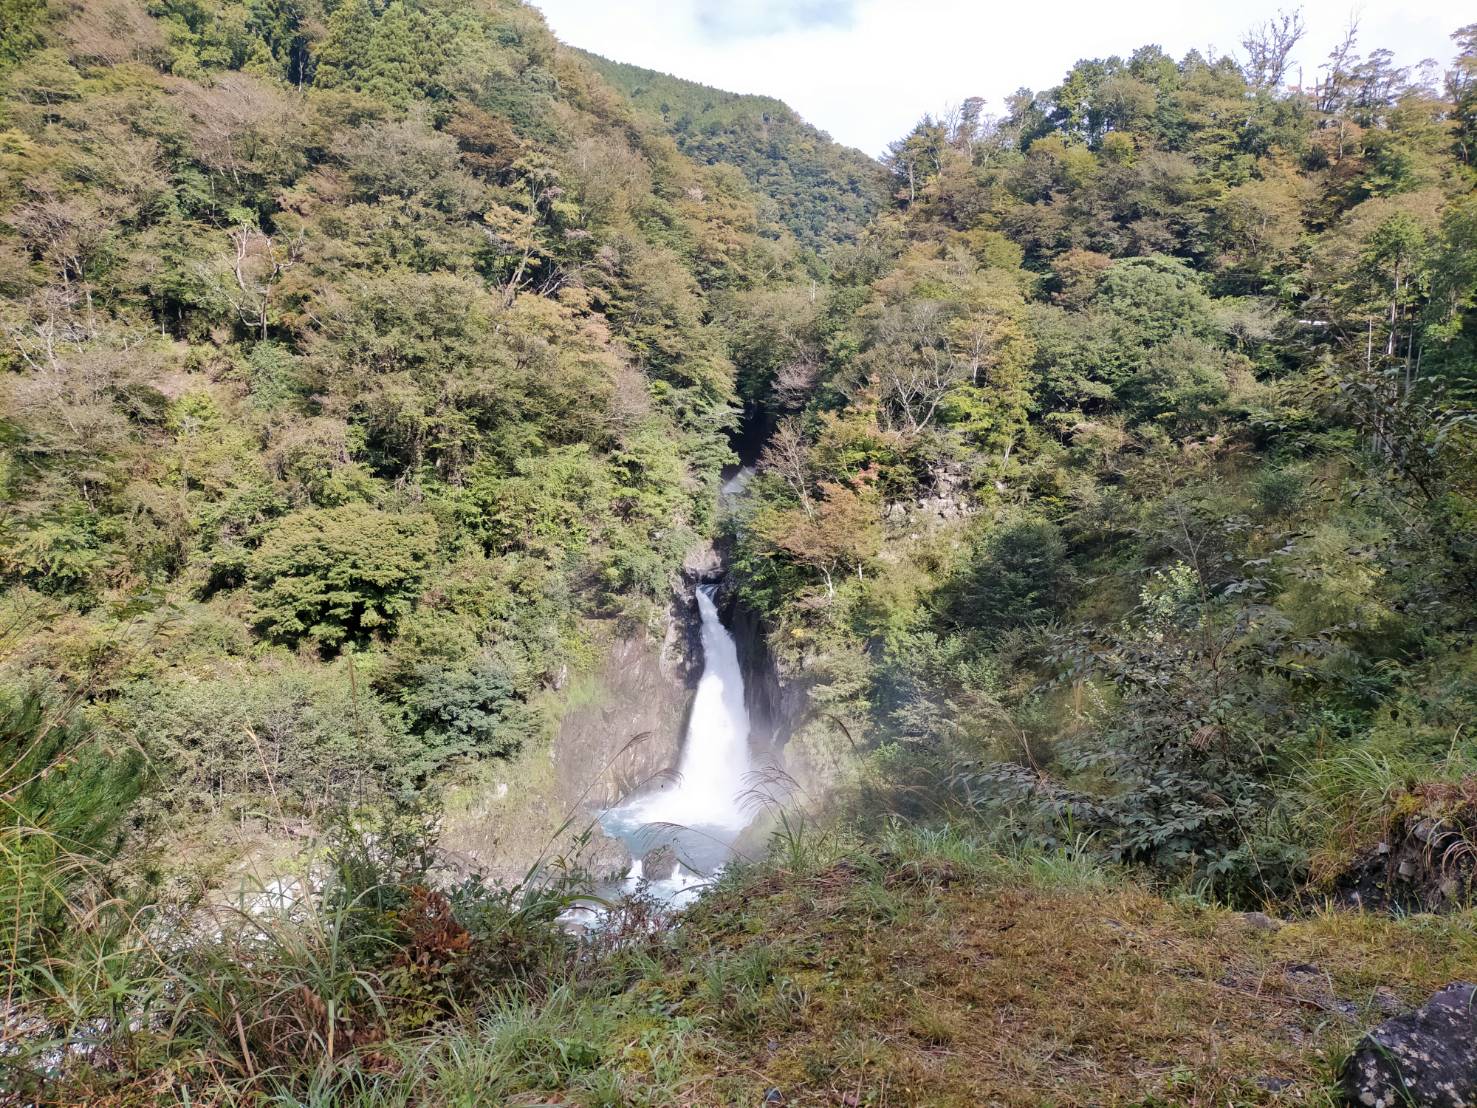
(1016, 576)
(339, 575)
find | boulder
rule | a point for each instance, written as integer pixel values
(1426, 1059)
(659, 864)
(603, 857)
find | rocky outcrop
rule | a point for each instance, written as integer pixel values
(623, 727)
(626, 728)
(775, 705)
(1427, 859)
(1427, 1059)
(946, 497)
(659, 864)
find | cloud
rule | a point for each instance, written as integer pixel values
(730, 19)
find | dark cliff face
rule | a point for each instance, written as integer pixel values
(776, 706)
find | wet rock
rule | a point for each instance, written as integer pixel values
(702, 563)
(776, 701)
(604, 858)
(1427, 1059)
(659, 864)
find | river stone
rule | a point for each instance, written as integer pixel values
(659, 864)
(1426, 1059)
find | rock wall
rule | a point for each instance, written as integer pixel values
(775, 705)
(624, 724)
(628, 726)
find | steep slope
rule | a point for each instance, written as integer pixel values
(1131, 489)
(352, 359)
(822, 191)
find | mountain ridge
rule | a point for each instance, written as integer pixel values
(825, 191)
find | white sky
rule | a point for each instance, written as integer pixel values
(867, 70)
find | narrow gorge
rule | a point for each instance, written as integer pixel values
(526, 579)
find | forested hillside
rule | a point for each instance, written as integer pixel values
(1133, 498)
(824, 193)
(365, 367)
(342, 376)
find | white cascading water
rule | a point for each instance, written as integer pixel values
(708, 792)
(702, 810)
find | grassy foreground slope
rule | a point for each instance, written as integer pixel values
(917, 968)
(927, 969)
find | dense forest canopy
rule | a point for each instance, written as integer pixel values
(367, 365)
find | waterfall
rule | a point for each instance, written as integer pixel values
(712, 776)
(702, 810)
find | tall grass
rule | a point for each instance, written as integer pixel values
(1351, 794)
(62, 803)
(286, 998)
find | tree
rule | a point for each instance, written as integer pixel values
(337, 575)
(1257, 225)
(1373, 276)
(838, 534)
(1332, 92)
(1461, 88)
(465, 711)
(915, 160)
(246, 278)
(1014, 577)
(1155, 299)
(1268, 49)
(945, 341)
(787, 453)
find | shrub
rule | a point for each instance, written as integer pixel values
(298, 736)
(460, 711)
(1182, 385)
(1282, 490)
(1015, 576)
(340, 574)
(58, 554)
(1155, 299)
